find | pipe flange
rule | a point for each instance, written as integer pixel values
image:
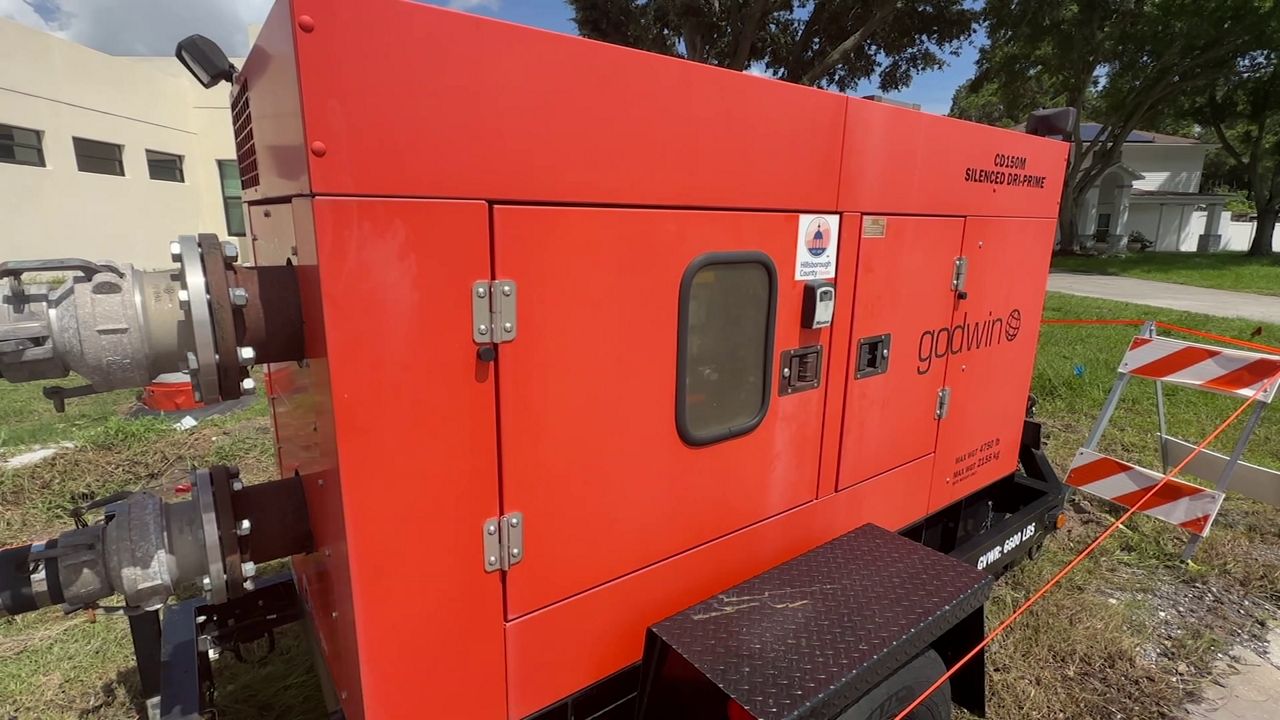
(204, 377)
(217, 587)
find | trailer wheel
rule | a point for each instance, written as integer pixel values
(900, 689)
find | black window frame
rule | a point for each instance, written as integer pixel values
(226, 199)
(38, 147)
(118, 159)
(688, 434)
(163, 156)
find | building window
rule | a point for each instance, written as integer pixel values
(99, 157)
(164, 166)
(21, 146)
(1104, 221)
(725, 345)
(232, 197)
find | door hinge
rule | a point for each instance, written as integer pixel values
(503, 542)
(960, 274)
(944, 403)
(493, 311)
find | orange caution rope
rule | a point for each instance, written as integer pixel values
(1087, 551)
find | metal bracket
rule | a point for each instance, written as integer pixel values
(944, 403)
(503, 542)
(959, 275)
(493, 311)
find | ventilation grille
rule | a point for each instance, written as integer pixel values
(242, 121)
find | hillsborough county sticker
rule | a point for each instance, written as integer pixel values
(816, 239)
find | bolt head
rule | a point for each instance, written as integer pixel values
(239, 296)
(247, 356)
(184, 297)
(247, 385)
(483, 329)
(786, 372)
(515, 552)
(248, 569)
(884, 352)
(515, 522)
(193, 363)
(250, 585)
(491, 529)
(237, 485)
(506, 290)
(206, 583)
(230, 250)
(493, 560)
(507, 327)
(175, 251)
(244, 528)
(482, 292)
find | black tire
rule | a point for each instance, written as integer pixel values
(900, 689)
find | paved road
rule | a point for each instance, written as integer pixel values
(1225, 303)
(1253, 693)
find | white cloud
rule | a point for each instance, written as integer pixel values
(141, 27)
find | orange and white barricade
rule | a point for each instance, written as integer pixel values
(1203, 367)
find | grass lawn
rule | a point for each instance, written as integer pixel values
(1131, 634)
(1225, 271)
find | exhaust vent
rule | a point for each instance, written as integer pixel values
(242, 122)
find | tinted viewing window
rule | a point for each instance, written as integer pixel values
(21, 146)
(164, 166)
(98, 157)
(725, 346)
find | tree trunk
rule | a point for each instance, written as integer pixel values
(1262, 245)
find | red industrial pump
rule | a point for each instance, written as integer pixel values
(605, 384)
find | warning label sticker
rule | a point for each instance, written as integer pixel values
(816, 240)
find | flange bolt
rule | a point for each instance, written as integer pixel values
(244, 528)
(246, 355)
(175, 251)
(230, 250)
(247, 385)
(239, 296)
(248, 569)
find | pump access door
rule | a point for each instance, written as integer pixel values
(642, 407)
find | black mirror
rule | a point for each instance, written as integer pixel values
(204, 60)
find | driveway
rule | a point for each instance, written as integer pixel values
(1224, 303)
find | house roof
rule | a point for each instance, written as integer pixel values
(1089, 131)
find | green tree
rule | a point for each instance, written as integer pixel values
(829, 43)
(1122, 63)
(1245, 115)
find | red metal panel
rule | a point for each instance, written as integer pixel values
(558, 650)
(455, 105)
(838, 362)
(414, 412)
(905, 268)
(905, 161)
(990, 372)
(590, 450)
(271, 75)
(302, 409)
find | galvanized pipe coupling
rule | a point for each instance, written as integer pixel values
(147, 550)
(119, 327)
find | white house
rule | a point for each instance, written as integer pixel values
(108, 157)
(1155, 190)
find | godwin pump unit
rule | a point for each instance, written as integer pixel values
(605, 385)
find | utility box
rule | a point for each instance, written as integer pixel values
(594, 334)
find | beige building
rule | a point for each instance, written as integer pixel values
(106, 157)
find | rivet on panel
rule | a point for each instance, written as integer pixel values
(306, 23)
(318, 149)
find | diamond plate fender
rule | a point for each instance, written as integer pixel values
(809, 637)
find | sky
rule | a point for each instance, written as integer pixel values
(152, 27)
